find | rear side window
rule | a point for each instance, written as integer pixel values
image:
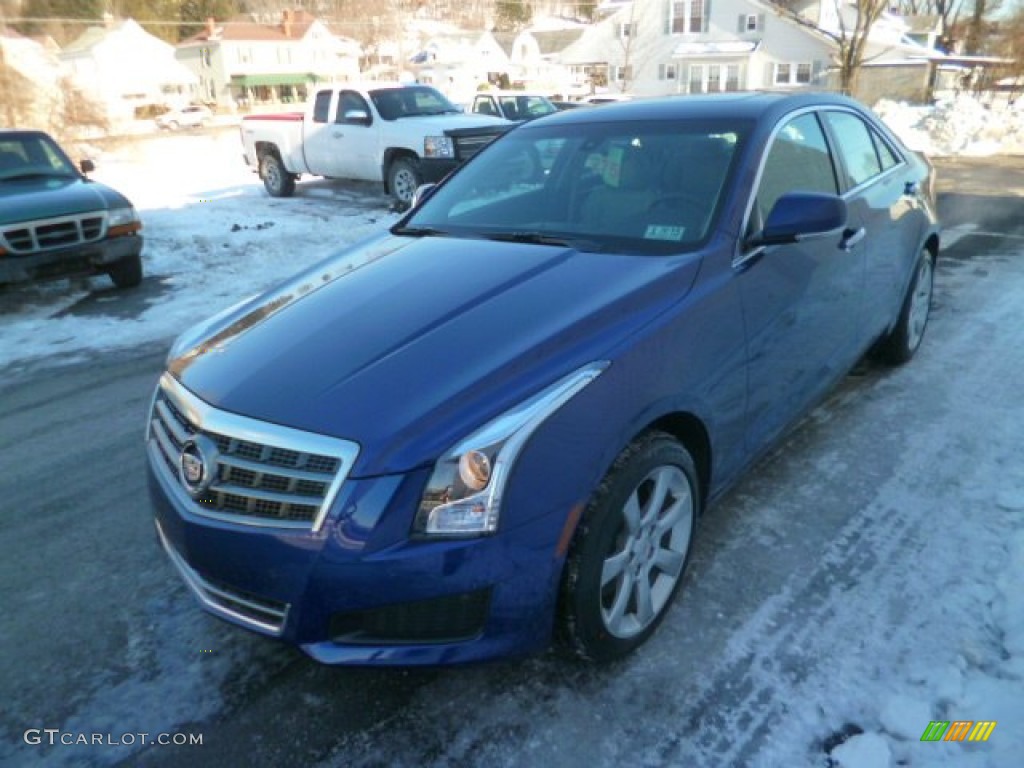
(856, 145)
(322, 106)
(797, 161)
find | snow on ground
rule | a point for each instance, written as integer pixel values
(958, 125)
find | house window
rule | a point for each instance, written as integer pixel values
(712, 78)
(667, 71)
(244, 55)
(204, 57)
(687, 16)
(792, 73)
(626, 30)
(749, 23)
(621, 73)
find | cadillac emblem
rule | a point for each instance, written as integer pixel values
(197, 464)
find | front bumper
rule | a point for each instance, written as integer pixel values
(434, 169)
(80, 259)
(360, 591)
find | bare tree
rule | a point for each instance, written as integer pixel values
(855, 20)
(15, 96)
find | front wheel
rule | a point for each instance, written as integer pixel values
(403, 179)
(126, 273)
(904, 339)
(276, 179)
(630, 551)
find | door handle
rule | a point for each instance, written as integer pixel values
(851, 237)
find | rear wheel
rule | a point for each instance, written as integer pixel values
(630, 551)
(904, 339)
(276, 179)
(126, 273)
(403, 179)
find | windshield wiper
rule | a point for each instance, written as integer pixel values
(539, 238)
(418, 231)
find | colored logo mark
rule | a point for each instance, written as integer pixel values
(958, 730)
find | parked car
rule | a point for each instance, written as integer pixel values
(56, 222)
(192, 116)
(498, 422)
(606, 98)
(517, 106)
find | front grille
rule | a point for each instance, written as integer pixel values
(469, 141)
(54, 233)
(260, 473)
(437, 620)
(253, 610)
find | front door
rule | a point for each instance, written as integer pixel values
(801, 302)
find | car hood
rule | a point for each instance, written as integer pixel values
(440, 123)
(406, 345)
(44, 197)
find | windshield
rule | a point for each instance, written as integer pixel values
(650, 187)
(25, 155)
(411, 101)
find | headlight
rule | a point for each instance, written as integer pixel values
(463, 495)
(438, 146)
(120, 216)
(122, 221)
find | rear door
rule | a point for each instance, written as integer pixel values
(880, 188)
(801, 302)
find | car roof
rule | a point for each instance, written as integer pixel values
(745, 104)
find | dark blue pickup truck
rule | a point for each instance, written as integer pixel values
(56, 222)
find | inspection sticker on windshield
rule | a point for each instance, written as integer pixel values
(664, 232)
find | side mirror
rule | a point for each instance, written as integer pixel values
(87, 166)
(356, 116)
(423, 191)
(798, 215)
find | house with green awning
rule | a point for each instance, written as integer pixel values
(247, 60)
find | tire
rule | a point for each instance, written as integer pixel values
(904, 339)
(639, 523)
(126, 273)
(403, 179)
(276, 179)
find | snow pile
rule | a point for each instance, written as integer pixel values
(960, 125)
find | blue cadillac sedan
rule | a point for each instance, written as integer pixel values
(495, 426)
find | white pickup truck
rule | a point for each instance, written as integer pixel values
(402, 135)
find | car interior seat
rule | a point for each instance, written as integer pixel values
(619, 205)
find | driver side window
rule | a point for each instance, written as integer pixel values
(349, 102)
(798, 161)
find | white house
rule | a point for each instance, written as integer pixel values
(656, 47)
(459, 62)
(127, 70)
(250, 61)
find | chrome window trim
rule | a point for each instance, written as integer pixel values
(740, 257)
(203, 590)
(209, 419)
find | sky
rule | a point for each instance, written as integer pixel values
(213, 237)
